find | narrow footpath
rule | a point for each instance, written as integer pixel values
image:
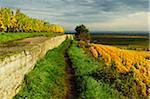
(71, 91)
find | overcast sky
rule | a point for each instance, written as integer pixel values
(99, 15)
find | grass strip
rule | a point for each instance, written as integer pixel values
(84, 65)
(46, 80)
(5, 37)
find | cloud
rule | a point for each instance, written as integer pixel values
(136, 21)
(73, 12)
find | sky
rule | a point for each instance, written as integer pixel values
(97, 15)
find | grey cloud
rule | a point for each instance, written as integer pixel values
(77, 11)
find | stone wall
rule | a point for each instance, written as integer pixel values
(13, 68)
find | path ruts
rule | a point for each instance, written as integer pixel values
(71, 91)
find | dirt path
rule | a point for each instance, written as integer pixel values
(71, 91)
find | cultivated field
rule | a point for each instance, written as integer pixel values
(125, 41)
(127, 70)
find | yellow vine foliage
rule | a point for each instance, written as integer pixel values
(125, 60)
(94, 52)
(2, 27)
(17, 21)
(56, 28)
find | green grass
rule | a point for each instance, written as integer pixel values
(89, 88)
(5, 37)
(46, 80)
(83, 63)
(93, 89)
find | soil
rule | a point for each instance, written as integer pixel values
(71, 90)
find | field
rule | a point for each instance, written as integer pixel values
(127, 70)
(118, 70)
(125, 41)
(100, 65)
(115, 72)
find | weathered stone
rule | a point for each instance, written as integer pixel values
(13, 68)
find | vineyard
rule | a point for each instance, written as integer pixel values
(124, 66)
(19, 22)
(77, 68)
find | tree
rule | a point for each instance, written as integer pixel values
(82, 33)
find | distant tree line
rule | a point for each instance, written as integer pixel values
(19, 22)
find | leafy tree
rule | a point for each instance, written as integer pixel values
(82, 33)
